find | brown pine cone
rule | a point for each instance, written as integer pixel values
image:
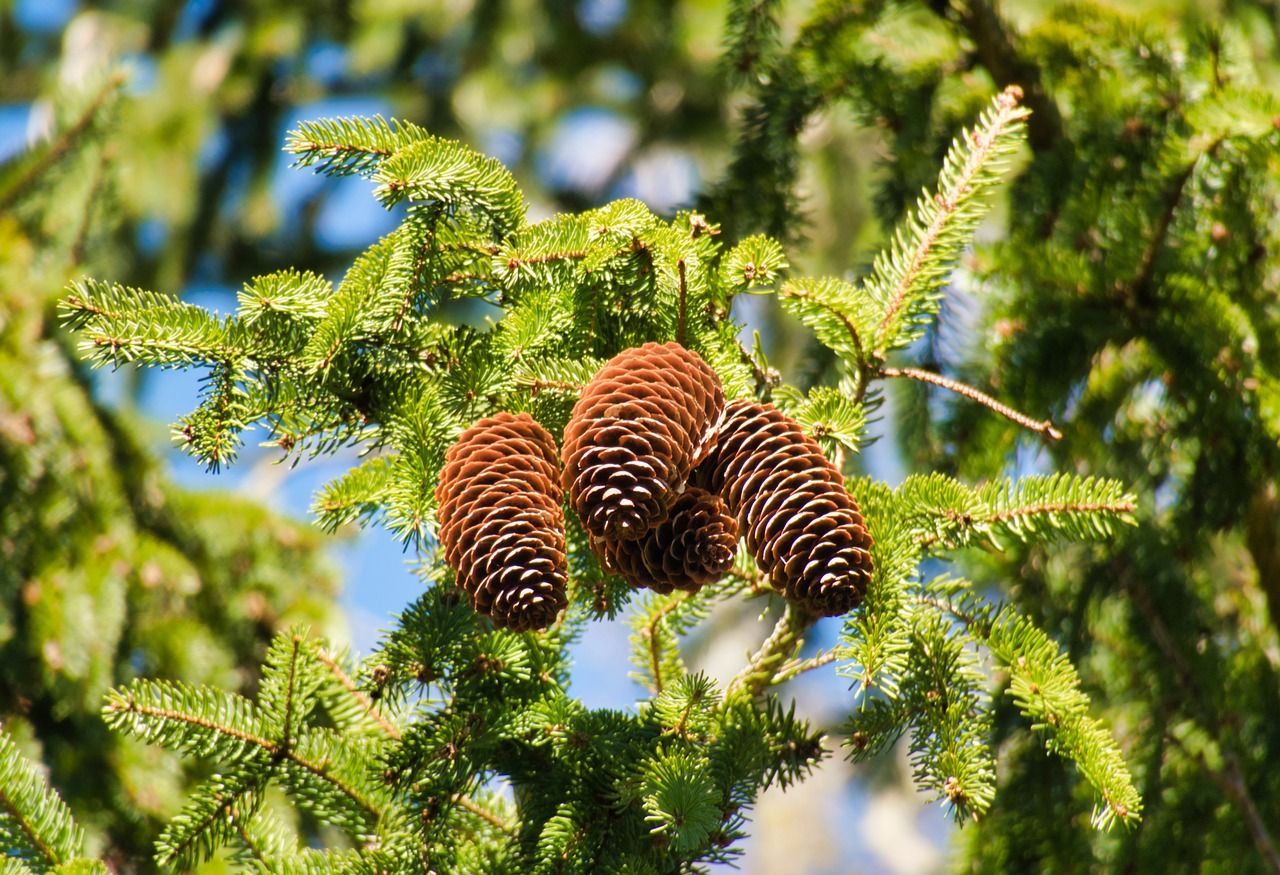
(801, 524)
(501, 525)
(693, 546)
(642, 424)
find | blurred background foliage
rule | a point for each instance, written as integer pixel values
(1128, 288)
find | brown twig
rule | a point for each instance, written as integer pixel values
(681, 311)
(349, 685)
(485, 815)
(62, 144)
(1044, 427)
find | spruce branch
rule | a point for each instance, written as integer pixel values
(1047, 691)
(906, 279)
(329, 661)
(154, 711)
(35, 824)
(1042, 427)
(762, 668)
(63, 143)
(338, 147)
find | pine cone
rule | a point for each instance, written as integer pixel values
(501, 525)
(642, 424)
(692, 547)
(801, 524)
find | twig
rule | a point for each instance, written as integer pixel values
(350, 686)
(764, 383)
(983, 143)
(1230, 780)
(62, 144)
(1140, 288)
(762, 669)
(90, 202)
(650, 633)
(866, 367)
(1044, 427)
(682, 312)
(800, 666)
(485, 815)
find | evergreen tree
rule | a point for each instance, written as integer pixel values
(1133, 295)
(108, 571)
(401, 757)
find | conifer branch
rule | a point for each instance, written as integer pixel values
(327, 660)
(799, 667)
(128, 704)
(905, 279)
(1043, 427)
(62, 144)
(486, 815)
(762, 668)
(13, 812)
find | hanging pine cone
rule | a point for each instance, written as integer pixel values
(642, 424)
(801, 524)
(501, 525)
(693, 546)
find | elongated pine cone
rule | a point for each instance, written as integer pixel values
(642, 424)
(802, 526)
(501, 524)
(693, 546)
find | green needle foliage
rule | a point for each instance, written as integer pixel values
(465, 309)
(1133, 295)
(108, 570)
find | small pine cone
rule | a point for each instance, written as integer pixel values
(501, 525)
(801, 524)
(693, 546)
(642, 424)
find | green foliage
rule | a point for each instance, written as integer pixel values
(110, 570)
(1130, 291)
(467, 309)
(35, 825)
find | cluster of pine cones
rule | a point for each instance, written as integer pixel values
(665, 478)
